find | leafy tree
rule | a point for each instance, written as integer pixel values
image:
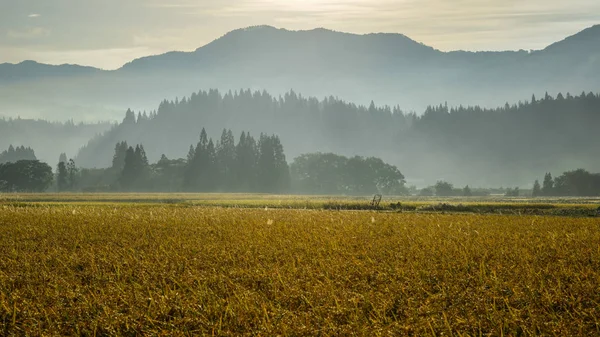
(25, 176)
(361, 178)
(427, 192)
(444, 189)
(319, 173)
(388, 179)
(579, 183)
(512, 192)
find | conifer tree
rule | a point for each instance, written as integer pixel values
(537, 190)
(61, 177)
(548, 185)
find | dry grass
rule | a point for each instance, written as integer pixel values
(167, 270)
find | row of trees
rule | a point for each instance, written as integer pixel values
(67, 174)
(250, 165)
(577, 183)
(14, 154)
(224, 166)
(446, 189)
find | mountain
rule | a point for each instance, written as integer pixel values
(267, 50)
(31, 70)
(388, 68)
(48, 139)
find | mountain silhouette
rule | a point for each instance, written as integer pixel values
(388, 68)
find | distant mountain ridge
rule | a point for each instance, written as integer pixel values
(385, 67)
(31, 70)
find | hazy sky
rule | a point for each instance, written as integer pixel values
(108, 33)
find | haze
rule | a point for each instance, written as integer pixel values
(109, 33)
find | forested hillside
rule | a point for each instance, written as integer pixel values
(48, 139)
(508, 145)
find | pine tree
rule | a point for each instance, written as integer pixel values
(226, 160)
(62, 176)
(282, 169)
(548, 185)
(246, 163)
(467, 191)
(129, 117)
(210, 175)
(72, 174)
(62, 158)
(537, 190)
(189, 177)
(118, 161)
(273, 170)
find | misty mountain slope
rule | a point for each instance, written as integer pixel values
(48, 140)
(265, 49)
(31, 71)
(468, 145)
(388, 68)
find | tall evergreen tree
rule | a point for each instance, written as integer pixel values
(226, 160)
(72, 174)
(190, 176)
(467, 191)
(210, 174)
(548, 185)
(118, 161)
(62, 158)
(246, 163)
(130, 170)
(273, 170)
(537, 189)
(62, 177)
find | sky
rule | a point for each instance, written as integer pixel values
(109, 33)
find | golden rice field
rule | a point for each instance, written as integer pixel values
(113, 269)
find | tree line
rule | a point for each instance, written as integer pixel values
(249, 166)
(257, 166)
(14, 154)
(66, 136)
(577, 183)
(464, 144)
